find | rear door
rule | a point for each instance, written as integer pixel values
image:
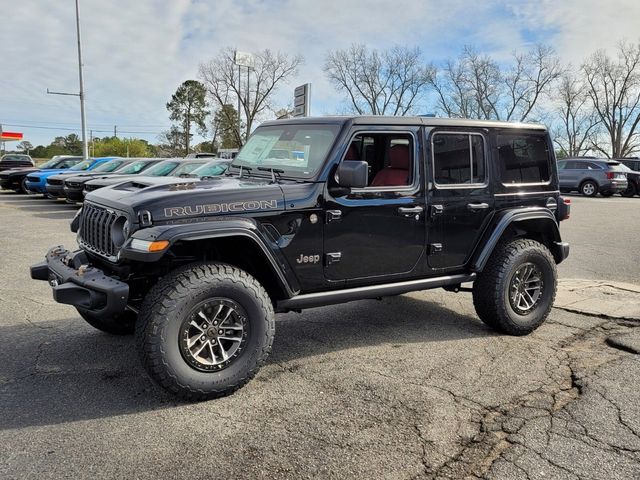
(460, 199)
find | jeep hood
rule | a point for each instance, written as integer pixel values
(173, 198)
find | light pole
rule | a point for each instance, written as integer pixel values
(83, 118)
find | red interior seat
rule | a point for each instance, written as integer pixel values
(397, 173)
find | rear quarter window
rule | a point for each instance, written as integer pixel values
(523, 158)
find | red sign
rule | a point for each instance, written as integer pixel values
(4, 136)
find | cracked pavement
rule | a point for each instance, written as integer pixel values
(410, 387)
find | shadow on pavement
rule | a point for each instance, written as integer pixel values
(65, 371)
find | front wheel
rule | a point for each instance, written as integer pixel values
(205, 330)
(515, 291)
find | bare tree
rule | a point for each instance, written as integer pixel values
(578, 123)
(255, 88)
(388, 82)
(614, 90)
(475, 86)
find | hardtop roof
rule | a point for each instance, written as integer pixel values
(390, 120)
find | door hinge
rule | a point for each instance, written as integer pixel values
(333, 216)
(331, 258)
(435, 248)
(436, 210)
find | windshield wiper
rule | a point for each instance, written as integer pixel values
(273, 172)
(241, 167)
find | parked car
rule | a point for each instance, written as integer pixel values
(591, 175)
(16, 160)
(174, 167)
(633, 181)
(196, 270)
(71, 186)
(54, 183)
(15, 179)
(37, 182)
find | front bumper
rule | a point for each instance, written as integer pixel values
(55, 190)
(73, 194)
(36, 187)
(9, 184)
(75, 282)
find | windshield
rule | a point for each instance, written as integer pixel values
(109, 166)
(51, 163)
(297, 150)
(161, 169)
(134, 167)
(186, 169)
(82, 165)
(21, 158)
(210, 169)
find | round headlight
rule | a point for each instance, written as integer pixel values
(118, 235)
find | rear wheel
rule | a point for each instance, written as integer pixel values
(205, 330)
(118, 324)
(589, 188)
(515, 291)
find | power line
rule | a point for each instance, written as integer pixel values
(42, 127)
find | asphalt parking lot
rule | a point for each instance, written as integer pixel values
(413, 386)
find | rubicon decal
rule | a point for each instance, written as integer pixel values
(251, 205)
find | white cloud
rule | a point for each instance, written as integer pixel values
(137, 52)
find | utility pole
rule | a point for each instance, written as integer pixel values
(115, 130)
(83, 117)
(85, 147)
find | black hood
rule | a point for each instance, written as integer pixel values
(172, 198)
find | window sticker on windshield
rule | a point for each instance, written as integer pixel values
(257, 148)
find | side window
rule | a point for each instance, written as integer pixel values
(562, 165)
(593, 166)
(389, 156)
(524, 158)
(458, 159)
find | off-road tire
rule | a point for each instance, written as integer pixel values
(172, 300)
(592, 192)
(118, 324)
(630, 191)
(491, 288)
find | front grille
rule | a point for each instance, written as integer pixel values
(54, 181)
(95, 230)
(33, 179)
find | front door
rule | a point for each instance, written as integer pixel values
(460, 198)
(378, 230)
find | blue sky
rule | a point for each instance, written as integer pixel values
(136, 53)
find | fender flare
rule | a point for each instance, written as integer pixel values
(490, 240)
(218, 228)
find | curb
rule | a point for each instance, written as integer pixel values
(601, 298)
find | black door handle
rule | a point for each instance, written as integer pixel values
(409, 211)
(477, 206)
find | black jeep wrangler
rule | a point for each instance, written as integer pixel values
(313, 212)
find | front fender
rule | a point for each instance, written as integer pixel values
(211, 229)
(537, 219)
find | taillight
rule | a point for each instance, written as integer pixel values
(610, 175)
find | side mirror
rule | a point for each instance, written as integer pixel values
(353, 174)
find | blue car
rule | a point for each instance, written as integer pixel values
(37, 182)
